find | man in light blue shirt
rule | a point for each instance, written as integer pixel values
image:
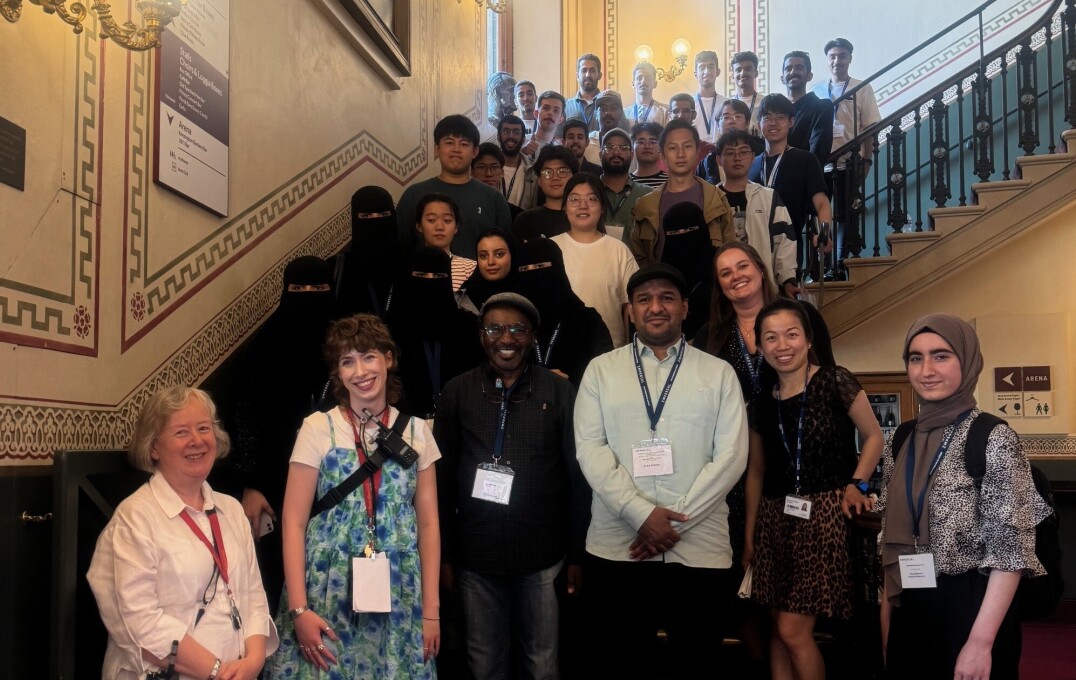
(660, 466)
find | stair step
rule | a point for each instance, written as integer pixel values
(863, 269)
(832, 291)
(1041, 166)
(992, 194)
(949, 219)
(906, 244)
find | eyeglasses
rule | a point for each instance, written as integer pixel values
(646, 142)
(550, 173)
(734, 153)
(617, 147)
(516, 330)
(575, 200)
(774, 118)
(484, 168)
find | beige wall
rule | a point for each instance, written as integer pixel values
(92, 237)
(1020, 296)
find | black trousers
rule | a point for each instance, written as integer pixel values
(931, 625)
(628, 602)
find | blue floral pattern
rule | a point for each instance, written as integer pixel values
(371, 646)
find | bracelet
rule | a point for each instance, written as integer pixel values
(295, 613)
(216, 669)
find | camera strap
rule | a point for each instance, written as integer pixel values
(368, 467)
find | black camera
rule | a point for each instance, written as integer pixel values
(391, 444)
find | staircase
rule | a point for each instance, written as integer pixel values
(1036, 73)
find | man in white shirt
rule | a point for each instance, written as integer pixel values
(661, 436)
(707, 100)
(550, 116)
(745, 77)
(850, 118)
(527, 102)
(644, 78)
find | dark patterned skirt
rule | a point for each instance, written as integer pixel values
(803, 566)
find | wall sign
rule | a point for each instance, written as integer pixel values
(191, 149)
(1023, 392)
(12, 154)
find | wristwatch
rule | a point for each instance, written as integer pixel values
(860, 484)
(216, 669)
(295, 613)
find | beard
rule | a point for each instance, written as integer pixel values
(615, 170)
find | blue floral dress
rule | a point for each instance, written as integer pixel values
(371, 646)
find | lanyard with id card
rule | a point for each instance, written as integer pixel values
(653, 457)
(493, 481)
(371, 577)
(795, 504)
(917, 571)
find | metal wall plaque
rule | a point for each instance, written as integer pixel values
(12, 154)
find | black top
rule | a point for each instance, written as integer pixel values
(799, 178)
(812, 126)
(549, 508)
(540, 222)
(829, 435)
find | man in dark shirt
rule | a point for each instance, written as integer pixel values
(812, 117)
(554, 166)
(576, 138)
(793, 173)
(513, 502)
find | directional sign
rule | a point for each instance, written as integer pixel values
(1008, 379)
(1009, 404)
(1037, 379)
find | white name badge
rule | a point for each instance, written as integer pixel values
(917, 571)
(838, 129)
(371, 584)
(493, 483)
(652, 457)
(615, 230)
(797, 507)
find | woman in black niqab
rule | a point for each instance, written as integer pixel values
(374, 256)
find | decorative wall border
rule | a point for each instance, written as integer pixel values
(757, 28)
(612, 17)
(150, 297)
(1048, 447)
(948, 55)
(32, 433)
(67, 321)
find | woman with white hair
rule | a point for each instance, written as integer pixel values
(174, 572)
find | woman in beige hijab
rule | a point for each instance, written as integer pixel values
(953, 554)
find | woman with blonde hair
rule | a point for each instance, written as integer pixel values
(174, 572)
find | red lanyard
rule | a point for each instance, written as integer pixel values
(216, 549)
(369, 491)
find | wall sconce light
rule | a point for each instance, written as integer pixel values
(495, 6)
(156, 14)
(680, 49)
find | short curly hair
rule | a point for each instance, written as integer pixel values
(361, 333)
(154, 416)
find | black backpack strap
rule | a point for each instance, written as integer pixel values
(338, 493)
(975, 446)
(900, 436)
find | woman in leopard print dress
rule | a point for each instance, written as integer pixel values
(803, 481)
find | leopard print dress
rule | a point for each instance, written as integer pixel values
(803, 566)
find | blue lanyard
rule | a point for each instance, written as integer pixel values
(502, 419)
(797, 460)
(433, 365)
(655, 414)
(754, 365)
(909, 471)
(549, 348)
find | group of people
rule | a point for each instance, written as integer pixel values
(610, 404)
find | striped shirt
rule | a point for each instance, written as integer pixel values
(462, 268)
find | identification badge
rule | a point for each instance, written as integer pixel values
(371, 584)
(652, 457)
(615, 230)
(493, 483)
(917, 571)
(838, 129)
(797, 507)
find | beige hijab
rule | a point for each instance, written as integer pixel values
(934, 418)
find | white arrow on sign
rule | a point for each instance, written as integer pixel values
(1008, 379)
